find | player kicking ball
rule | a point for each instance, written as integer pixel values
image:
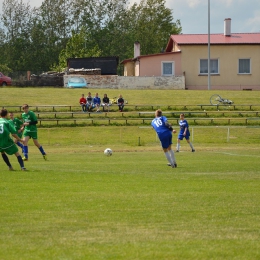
(30, 131)
(164, 131)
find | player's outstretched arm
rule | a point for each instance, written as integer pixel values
(17, 138)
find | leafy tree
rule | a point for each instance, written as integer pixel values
(16, 20)
(153, 25)
(5, 69)
(75, 48)
(43, 38)
(54, 23)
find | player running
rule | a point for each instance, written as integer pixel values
(7, 145)
(30, 131)
(164, 131)
(184, 133)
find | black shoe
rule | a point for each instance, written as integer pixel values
(193, 150)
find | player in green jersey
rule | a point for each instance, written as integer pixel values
(30, 131)
(18, 125)
(7, 145)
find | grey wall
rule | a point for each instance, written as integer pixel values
(121, 82)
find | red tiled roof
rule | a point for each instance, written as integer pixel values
(201, 39)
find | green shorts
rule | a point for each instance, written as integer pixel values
(33, 135)
(10, 150)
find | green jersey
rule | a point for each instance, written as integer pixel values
(30, 117)
(5, 129)
(17, 124)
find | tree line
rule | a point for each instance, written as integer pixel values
(41, 39)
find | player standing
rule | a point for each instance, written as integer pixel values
(30, 131)
(184, 133)
(164, 131)
(7, 145)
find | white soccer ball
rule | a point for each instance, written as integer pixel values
(108, 152)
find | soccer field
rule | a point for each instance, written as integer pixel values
(81, 204)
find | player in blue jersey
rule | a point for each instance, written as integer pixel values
(164, 131)
(184, 133)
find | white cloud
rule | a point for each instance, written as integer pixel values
(226, 2)
(254, 22)
(193, 3)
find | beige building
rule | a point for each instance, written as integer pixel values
(234, 60)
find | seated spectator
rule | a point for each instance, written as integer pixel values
(105, 102)
(82, 102)
(89, 103)
(120, 103)
(97, 102)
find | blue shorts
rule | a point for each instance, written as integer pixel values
(187, 136)
(166, 139)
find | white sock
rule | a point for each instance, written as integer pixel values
(168, 156)
(178, 146)
(172, 156)
(191, 146)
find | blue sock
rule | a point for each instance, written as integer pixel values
(41, 150)
(20, 160)
(20, 145)
(25, 151)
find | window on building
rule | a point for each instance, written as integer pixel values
(168, 68)
(244, 66)
(213, 66)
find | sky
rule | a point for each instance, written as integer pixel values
(193, 14)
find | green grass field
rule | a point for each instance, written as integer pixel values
(63, 96)
(81, 204)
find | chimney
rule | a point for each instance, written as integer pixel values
(136, 49)
(227, 27)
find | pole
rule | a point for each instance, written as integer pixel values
(208, 44)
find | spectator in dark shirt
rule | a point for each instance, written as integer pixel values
(105, 102)
(120, 103)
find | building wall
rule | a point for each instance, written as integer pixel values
(228, 77)
(129, 69)
(137, 68)
(152, 65)
(121, 82)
